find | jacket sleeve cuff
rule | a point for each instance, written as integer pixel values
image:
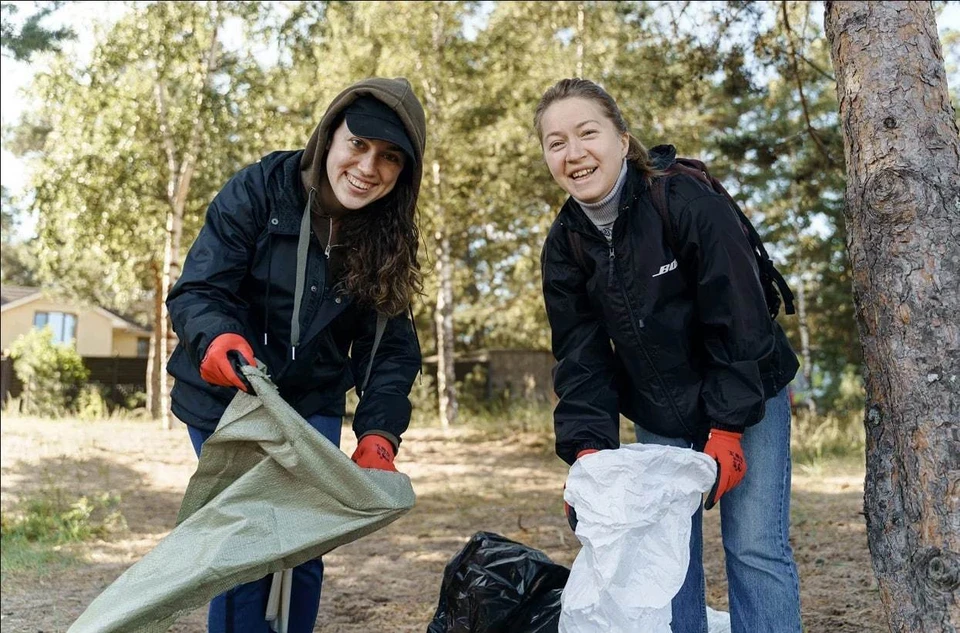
(390, 437)
(732, 428)
(597, 446)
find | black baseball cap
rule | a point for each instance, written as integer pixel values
(371, 118)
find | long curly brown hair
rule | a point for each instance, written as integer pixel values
(382, 241)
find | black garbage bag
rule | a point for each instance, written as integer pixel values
(495, 585)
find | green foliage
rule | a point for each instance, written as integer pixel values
(49, 518)
(778, 148)
(842, 393)
(52, 374)
(423, 399)
(17, 259)
(503, 419)
(815, 438)
(32, 531)
(746, 86)
(103, 177)
(31, 36)
(90, 404)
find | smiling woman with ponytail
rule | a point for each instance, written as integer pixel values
(675, 335)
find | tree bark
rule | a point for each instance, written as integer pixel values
(902, 150)
(446, 363)
(443, 319)
(805, 353)
(178, 188)
(155, 368)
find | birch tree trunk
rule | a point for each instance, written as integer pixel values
(180, 173)
(443, 315)
(903, 219)
(446, 375)
(805, 354)
(154, 361)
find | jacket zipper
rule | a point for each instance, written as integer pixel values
(643, 348)
(613, 258)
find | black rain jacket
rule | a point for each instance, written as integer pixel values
(239, 277)
(676, 342)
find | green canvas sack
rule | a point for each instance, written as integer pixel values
(269, 493)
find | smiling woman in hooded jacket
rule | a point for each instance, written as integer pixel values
(307, 262)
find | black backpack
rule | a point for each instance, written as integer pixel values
(665, 159)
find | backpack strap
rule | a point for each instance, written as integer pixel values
(698, 170)
(381, 326)
(658, 194)
(766, 264)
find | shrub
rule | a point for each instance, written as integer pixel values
(815, 437)
(52, 374)
(31, 533)
(91, 404)
(48, 518)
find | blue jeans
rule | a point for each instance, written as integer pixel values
(763, 585)
(242, 609)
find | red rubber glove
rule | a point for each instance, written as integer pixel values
(568, 511)
(216, 367)
(374, 451)
(724, 446)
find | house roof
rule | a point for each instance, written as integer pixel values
(13, 296)
(9, 294)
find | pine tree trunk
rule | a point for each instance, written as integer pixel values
(903, 221)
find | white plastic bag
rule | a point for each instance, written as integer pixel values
(633, 509)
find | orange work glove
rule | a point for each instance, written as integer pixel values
(724, 446)
(374, 451)
(216, 367)
(568, 510)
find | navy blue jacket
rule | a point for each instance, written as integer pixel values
(239, 277)
(676, 342)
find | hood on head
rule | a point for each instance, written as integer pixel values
(398, 95)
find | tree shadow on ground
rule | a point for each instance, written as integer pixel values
(87, 568)
(389, 581)
(838, 590)
(146, 510)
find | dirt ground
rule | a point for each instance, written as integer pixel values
(389, 582)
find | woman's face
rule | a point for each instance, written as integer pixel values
(582, 148)
(361, 170)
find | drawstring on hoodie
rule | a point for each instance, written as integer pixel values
(303, 247)
(266, 302)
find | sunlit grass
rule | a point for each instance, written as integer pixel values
(34, 531)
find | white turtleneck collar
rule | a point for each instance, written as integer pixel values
(604, 212)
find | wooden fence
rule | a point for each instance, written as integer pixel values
(119, 378)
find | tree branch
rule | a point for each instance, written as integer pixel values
(803, 99)
(190, 155)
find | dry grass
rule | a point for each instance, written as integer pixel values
(389, 581)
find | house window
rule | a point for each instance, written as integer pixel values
(143, 347)
(63, 325)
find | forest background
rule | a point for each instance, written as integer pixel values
(127, 143)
